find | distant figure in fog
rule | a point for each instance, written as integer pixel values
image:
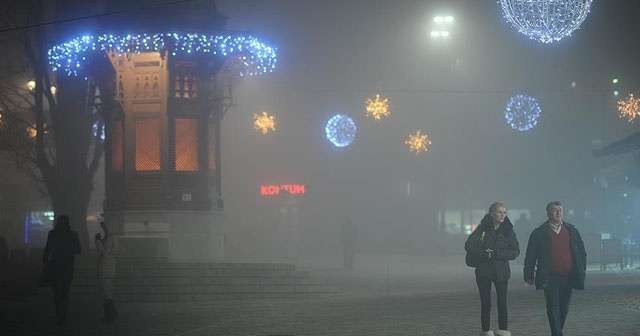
(107, 247)
(523, 228)
(495, 243)
(348, 234)
(556, 262)
(60, 250)
(523, 225)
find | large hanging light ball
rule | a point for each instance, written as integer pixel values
(545, 21)
(522, 112)
(341, 130)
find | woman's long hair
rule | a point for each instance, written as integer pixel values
(62, 224)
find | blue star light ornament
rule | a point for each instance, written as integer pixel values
(72, 56)
(522, 112)
(341, 130)
(545, 21)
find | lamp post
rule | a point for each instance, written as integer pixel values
(441, 28)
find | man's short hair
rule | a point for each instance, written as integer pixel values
(553, 203)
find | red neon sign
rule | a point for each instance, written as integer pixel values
(277, 189)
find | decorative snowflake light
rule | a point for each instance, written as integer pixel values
(522, 112)
(629, 108)
(341, 130)
(418, 142)
(72, 56)
(545, 21)
(264, 122)
(377, 108)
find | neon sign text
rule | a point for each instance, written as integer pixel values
(277, 189)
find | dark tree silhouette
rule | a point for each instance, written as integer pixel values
(53, 136)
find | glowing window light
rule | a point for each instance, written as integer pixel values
(545, 21)
(341, 130)
(73, 56)
(522, 112)
(418, 142)
(264, 122)
(32, 130)
(377, 108)
(629, 108)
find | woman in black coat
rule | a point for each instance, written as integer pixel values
(59, 252)
(494, 244)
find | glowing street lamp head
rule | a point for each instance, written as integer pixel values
(447, 19)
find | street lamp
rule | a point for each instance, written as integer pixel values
(441, 26)
(31, 85)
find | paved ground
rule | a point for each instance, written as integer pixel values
(385, 295)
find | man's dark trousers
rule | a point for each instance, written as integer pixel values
(557, 293)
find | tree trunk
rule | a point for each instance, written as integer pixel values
(71, 186)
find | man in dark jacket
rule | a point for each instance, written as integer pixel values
(60, 250)
(556, 255)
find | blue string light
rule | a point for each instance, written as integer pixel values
(71, 57)
(522, 112)
(341, 130)
(545, 21)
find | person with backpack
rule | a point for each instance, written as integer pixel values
(489, 249)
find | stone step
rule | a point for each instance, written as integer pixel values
(198, 290)
(195, 273)
(189, 297)
(159, 281)
(129, 264)
(193, 281)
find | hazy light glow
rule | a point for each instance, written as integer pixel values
(443, 19)
(264, 122)
(629, 108)
(341, 130)
(522, 112)
(440, 23)
(72, 57)
(378, 108)
(545, 21)
(418, 142)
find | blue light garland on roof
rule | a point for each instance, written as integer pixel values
(72, 56)
(522, 112)
(545, 21)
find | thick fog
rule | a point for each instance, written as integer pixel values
(333, 55)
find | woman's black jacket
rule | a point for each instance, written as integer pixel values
(504, 244)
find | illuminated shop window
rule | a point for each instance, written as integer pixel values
(147, 141)
(116, 146)
(186, 145)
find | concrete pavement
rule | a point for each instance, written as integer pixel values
(384, 295)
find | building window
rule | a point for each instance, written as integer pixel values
(147, 141)
(186, 145)
(116, 146)
(212, 149)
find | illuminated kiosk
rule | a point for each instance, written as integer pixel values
(164, 95)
